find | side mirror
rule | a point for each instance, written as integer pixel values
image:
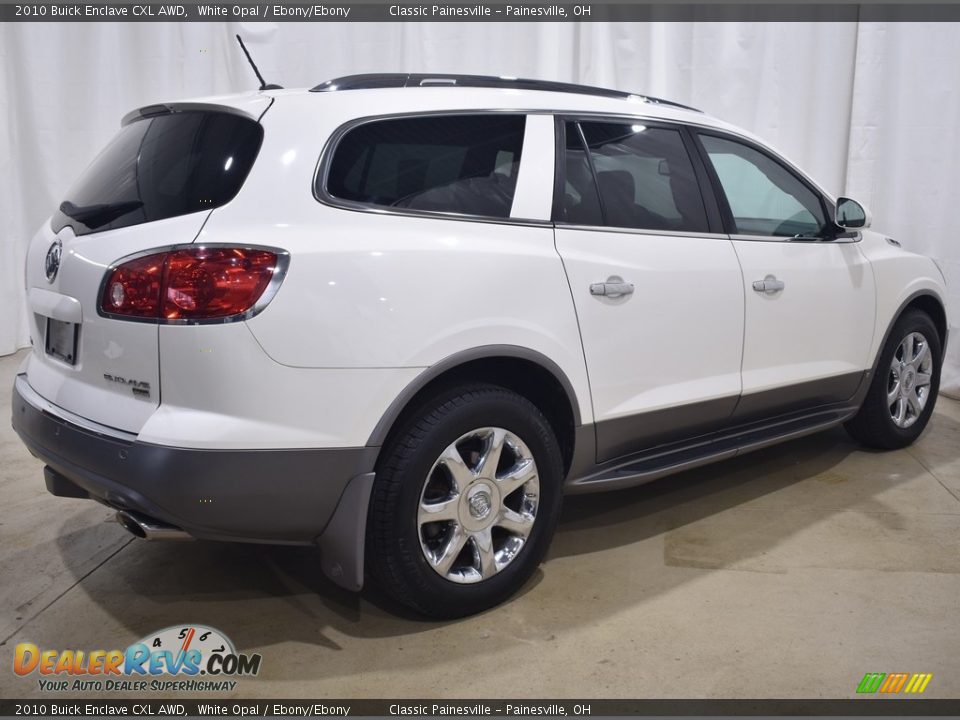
(852, 215)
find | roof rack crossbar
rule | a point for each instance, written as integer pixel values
(400, 80)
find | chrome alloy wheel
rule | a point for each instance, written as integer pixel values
(908, 386)
(478, 505)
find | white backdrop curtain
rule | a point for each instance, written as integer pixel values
(870, 109)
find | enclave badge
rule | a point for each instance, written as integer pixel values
(52, 264)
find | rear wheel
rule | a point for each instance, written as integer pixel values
(465, 503)
(904, 390)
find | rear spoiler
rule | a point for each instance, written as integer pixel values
(149, 111)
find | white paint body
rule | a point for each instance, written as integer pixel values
(821, 324)
(373, 299)
(639, 357)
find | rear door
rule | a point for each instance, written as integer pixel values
(809, 295)
(153, 186)
(656, 285)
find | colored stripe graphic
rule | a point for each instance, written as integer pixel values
(918, 683)
(894, 682)
(871, 682)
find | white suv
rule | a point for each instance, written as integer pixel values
(399, 316)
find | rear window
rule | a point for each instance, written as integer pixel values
(161, 167)
(464, 164)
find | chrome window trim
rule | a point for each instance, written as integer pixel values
(784, 238)
(639, 231)
(559, 225)
(280, 272)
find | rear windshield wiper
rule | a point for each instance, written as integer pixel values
(93, 216)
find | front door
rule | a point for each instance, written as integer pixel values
(809, 299)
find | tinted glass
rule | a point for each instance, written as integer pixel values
(580, 203)
(161, 167)
(464, 164)
(764, 197)
(645, 177)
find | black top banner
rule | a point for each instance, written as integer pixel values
(465, 11)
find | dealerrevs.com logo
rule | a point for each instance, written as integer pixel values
(173, 659)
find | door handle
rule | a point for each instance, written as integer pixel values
(614, 287)
(769, 285)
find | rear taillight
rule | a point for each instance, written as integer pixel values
(190, 284)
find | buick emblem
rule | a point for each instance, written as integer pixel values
(480, 505)
(52, 264)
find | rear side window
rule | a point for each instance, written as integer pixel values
(161, 167)
(644, 175)
(464, 164)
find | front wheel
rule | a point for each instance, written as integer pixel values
(465, 503)
(904, 390)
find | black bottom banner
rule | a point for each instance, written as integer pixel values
(152, 707)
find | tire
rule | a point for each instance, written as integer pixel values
(875, 425)
(408, 555)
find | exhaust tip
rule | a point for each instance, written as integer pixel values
(146, 528)
(128, 523)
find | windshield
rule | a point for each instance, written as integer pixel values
(161, 167)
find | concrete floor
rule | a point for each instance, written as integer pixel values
(787, 573)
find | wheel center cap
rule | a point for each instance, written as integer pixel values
(480, 504)
(909, 377)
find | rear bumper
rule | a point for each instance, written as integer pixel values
(274, 496)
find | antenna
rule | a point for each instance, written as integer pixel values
(263, 83)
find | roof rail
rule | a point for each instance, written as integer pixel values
(400, 80)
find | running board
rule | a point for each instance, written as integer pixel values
(659, 462)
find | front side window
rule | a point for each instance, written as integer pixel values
(463, 164)
(644, 175)
(764, 197)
